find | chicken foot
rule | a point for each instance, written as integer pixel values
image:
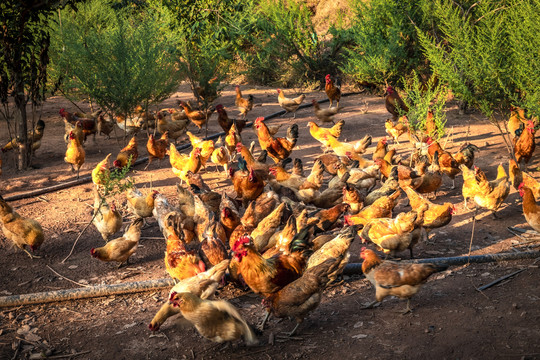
(266, 317)
(29, 254)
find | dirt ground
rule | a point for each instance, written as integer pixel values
(451, 319)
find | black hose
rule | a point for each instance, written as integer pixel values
(88, 178)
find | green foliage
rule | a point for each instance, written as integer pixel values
(286, 49)
(422, 98)
(119, 57)
(473, 57)
(115, 182)
(385, 41)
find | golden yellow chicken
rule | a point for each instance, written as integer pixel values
(22, 231)
(75, 154)
(101, 172)
(436, 215)
(122, 248)
(492, 194)
(139, 204)
(107, 219)
(206, 146)
(397, 129)
(288, 104)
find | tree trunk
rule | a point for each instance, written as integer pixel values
(20, 120)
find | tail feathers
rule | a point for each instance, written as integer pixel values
(292, 133)
(300, 242)
(298, 167)
(362, 145)
(249, 335)
(336, 129)
(438, 267)
(325, 268)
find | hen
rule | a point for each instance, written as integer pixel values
(181, 164)
(278, 148)
(248, 185)
(140, 205)
(88, 121)
(216, 320)
(288, 104)
(75, 154)
(465, 155)
(321, 134)
(395, 279)
(179, 262)
(332, 90)
(351, 151)
(447, 164)
(382, 207)
(396, 130)
(120, 249)
(435, 216)
(174, 128)
(34, 138)
(492, 194)
(101, 173)
(225, 122)
(197, 117)
(107, 219)
(206, 146)
(517, 177)
(525, 144)
(22, 231)
(324, 115)
(128, 154)
(394, 104)
(531, 210)
(157, 149)
(244, 105)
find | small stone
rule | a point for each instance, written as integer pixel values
(359, 336)
(485, 274)
(358, 324)
(73, 267)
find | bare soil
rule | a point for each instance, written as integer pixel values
(451, 319)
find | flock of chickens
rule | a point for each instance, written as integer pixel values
(286, 233)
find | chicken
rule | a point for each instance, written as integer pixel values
(435, 216)
(380, 208)
(225, 122)
(394, 104)
(517, 177)
(406, 175)
(388, 187)
(34, 138)
(120, 249)
(101, 173)
(157, 149)
(128, 154)
(22, 231)
(197, 117)
(492, 194)
(203, 285)
(180, 263)
(431, 179)
(465, 155)
(221, 157)
(206, 146)
(320, 133)
(231, 140)
(470, 184)
(88, 121)
(107, 219)
(177, 114)
(261, 235)
(266, 276)
(516, 121)
(352, 151)
(140, 205)
(244, 105)
(129, 126)
(288, 104)
(394, 235)
(229, 215)
(213, 250)
(278, 148)
(247, 184)
(337, 248)
(296, 182)
(174, 129)
(262, 169)
(104, 126)
(260, 208)
(76, 129)
(327, 218)
(531, 210)
(324, 115)
(524, 145)
(381, 149)
(182, 164)
(396, 130)
(332, 90)
(353, 198)
(75, 154)
(332, 162)
(303, 295)
(216, 320)
(395, 279)
(447, 164)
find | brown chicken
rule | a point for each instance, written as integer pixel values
(104, 126)
(139, 204)
(431, 179)
(351, 151)
(197, 117)
(34, 138)
(120, 249)
(22, 231)
(101, 173)
(406, 175)
(396, 130)
(290, 104)
(220, 157)
(244, 105)
(174, 128)
(332, 90)
(128, 154)
(394, 104)
(107, 219)
(225, 122)
(327, 218)
(333, 162)
(531, 210)
(216, 320)
(203, 285)
(524, 145)
(179, 262)
(303, 295)
(517, 177)
(516, 121)
(435, 216)
(157, 149)
(76, 129)
(447, 164)
(247, 184)
(75, 154)
(395, 279)
(354, 198)
(88, 121)
(465, 155)
(381, 149)
(324, 115)
(260, 236)
(278, 148)
(382, 207)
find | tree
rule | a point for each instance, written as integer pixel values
(121, 57)
(24, 42)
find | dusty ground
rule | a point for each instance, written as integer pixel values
(451, 318)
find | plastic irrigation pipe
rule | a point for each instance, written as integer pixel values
(88, 178)
(150, 285)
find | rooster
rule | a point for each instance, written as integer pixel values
(290, 105)
(394, 104)
(332, 90)
(278, 148)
